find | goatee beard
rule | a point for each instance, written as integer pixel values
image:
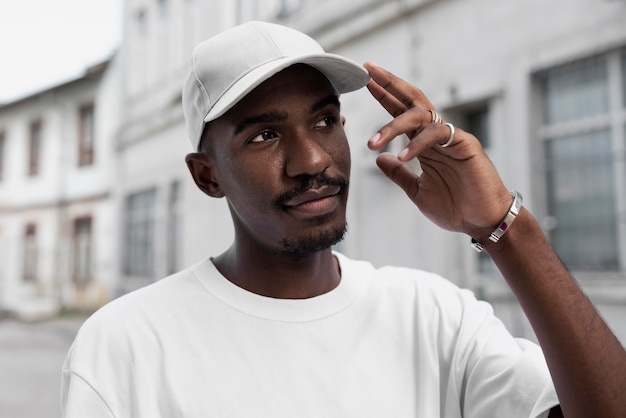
(314, 244)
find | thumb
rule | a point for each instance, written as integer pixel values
(398, 172)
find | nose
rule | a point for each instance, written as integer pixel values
(306, 156)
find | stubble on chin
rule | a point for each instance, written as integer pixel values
(321, 240)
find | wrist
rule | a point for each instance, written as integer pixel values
(479, 244)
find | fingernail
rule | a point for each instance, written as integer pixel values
(403, 154)
(374, 140)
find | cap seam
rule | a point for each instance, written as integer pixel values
(205, 96)
(269, 37)
(206, 103)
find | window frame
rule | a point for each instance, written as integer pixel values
(35, 133)
(78, 269)
(30, 253)
(86, 134)
(140, 222)
(174, 219)
(615, 120)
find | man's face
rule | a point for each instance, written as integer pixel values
(281, 159)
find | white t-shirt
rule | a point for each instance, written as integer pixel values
(389, 342)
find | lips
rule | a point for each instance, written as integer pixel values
(313, 197)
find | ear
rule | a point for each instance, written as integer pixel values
(343, 120)
(201, 168)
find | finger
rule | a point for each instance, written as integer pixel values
(399, 173)
(411, 123)
(433, 137)
(404, 92)
(392, 105)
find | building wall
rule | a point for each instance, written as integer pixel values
(44, 208)
(152, 141)
(466, 55)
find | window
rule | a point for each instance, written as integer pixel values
(173, 227)
(2, 145)
(477, 122)
(30, 253)
(82, 250)
(576, 90)
(139, 242)
(581, 130)
(86, 135)
(34, 148)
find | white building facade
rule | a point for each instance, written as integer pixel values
(57, 225)
(546, 96)
(542, 84)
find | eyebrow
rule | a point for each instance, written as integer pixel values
(333, 99)
(269, 117)
(272, 117)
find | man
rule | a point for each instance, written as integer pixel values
(279, 325)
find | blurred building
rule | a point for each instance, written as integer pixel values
(56, 207)
(546, 95)
(542, 84)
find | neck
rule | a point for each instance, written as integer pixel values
(280, 276)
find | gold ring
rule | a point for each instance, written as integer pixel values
(435, 117)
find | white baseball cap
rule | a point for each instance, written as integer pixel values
(228, 66)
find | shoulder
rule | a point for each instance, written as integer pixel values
(419, 292)
(153, 296)
(134, 315)
(398, 278)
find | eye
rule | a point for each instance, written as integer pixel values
(263, 136)
(326, 121)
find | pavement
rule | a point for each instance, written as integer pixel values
(31, 357)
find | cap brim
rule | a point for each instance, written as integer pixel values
(344, 74)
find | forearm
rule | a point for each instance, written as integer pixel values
(587, 362)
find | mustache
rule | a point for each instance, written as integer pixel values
(309, 183)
